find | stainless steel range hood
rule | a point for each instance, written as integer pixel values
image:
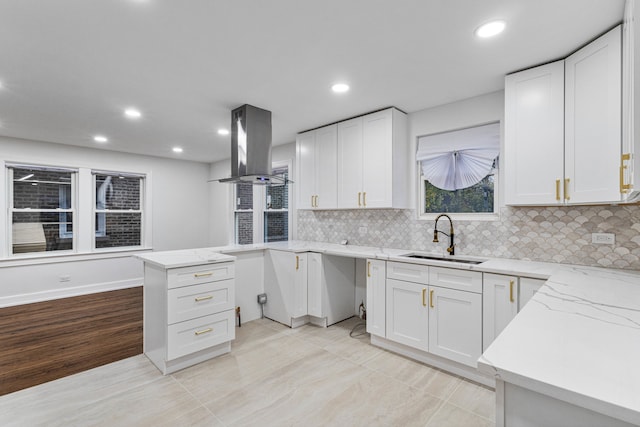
(251, 147)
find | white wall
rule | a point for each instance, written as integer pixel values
(180, 219)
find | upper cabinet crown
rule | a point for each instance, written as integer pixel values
(563, 125)
(357, 163)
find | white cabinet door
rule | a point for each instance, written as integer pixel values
(350, 163)
(306, 169)
(455, 324)
(326, 167)
(499, 305)
(528, 287)
(315, 283)
(285, 285)
(407, 314)
(534, 135)
(593, 121)
(376, 297)
(377, 158)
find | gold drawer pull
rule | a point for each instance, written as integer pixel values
(359, 196)
(566, 188)
(199, 275)
(624, 188)
(424, 294)
(297, 262)
(364, 199)
(204, 331)
(558, 190)
(198, 299)
(368, 268)
(511, 291)
(431, 298)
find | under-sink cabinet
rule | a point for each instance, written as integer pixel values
(503, 297)
(189, 313)
(425, 309)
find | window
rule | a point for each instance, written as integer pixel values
(458, 171)
(244, 213)
(118, 210)
(41, 204)
(269, 221)
(276, 211)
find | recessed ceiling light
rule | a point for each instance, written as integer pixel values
(100, 138)
(177, 149)
(340, 87)
(223, 131)
(490, 29)
(132, 113)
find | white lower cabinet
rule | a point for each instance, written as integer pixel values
(503, 297)
(407, 314)
(455, 324)
(299, 285)
(499, 305)
(376, 297)
(189, 313)
(444, 321)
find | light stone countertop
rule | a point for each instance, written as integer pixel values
(577, 340)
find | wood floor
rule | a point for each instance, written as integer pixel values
(274, 376)
(44, 341)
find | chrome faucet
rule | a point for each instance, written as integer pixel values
(451, 248)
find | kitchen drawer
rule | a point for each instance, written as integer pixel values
(194, 335)
(408, 272)
(185, 276)
(464, 280)
(189, 302)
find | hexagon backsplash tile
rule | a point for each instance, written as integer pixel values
(551, 234)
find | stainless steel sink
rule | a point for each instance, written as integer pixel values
(439, 258)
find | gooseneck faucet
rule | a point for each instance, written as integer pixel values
(451, 248)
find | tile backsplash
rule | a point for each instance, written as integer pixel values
(550, 234)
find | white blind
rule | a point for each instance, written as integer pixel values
(461, 158)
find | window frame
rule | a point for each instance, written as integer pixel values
(95, 211)
(9, 174)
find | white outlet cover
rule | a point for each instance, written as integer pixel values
(603, 238)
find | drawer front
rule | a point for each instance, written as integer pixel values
(186, 276)
(464, 280)
(189, 302)
(197, 334)
(408, 272)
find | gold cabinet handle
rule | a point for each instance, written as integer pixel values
(431, 298)
(368, 268)
(359, 195)
(511, 291)
(199, 275)
(364, 199)
(204, 331)
(557, 190)
(566, 188)
(297, 262)
(424, 294)
(316, 201)
(624, 188)
(312, 204)
(198, 299)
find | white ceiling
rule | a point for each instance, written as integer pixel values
(69, 67)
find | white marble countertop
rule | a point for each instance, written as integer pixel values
(577, 340)
(184, 257)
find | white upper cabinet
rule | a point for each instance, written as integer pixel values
(373, 163)
(316, 154)
(593, 120)
(534, 135)
(629, 167)
(560, 153)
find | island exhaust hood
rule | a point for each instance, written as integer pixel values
(251, 147)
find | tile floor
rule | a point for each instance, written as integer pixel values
(274, 376)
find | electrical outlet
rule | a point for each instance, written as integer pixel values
(64, 278)
(603, 238)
